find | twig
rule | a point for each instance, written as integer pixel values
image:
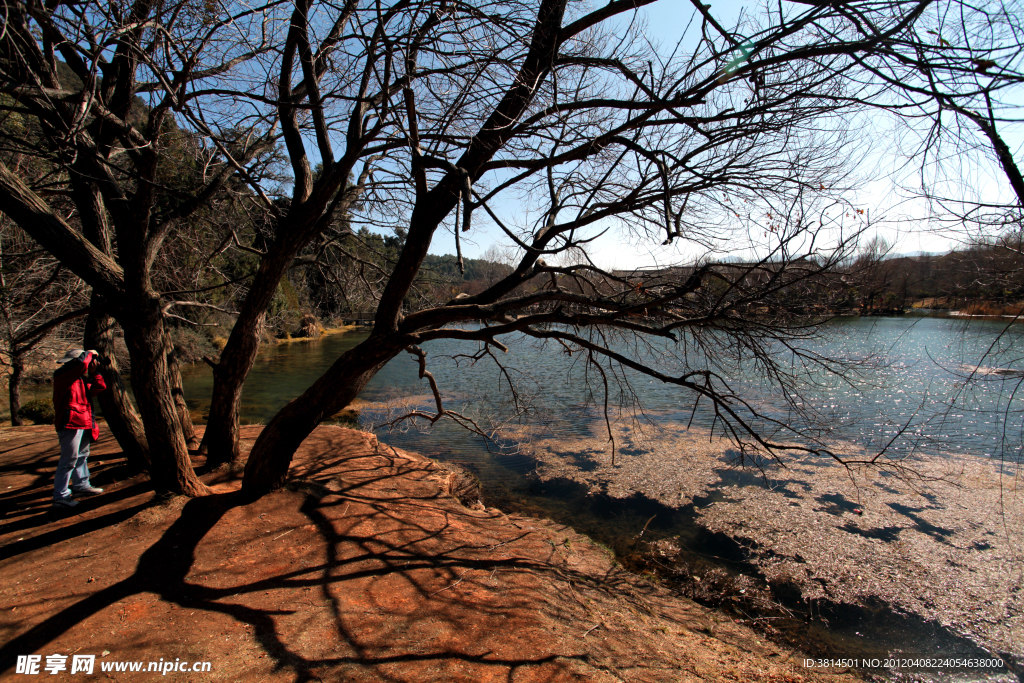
(450, 586)
(421, 357)
(591, 629)
(646, 525)
(511, 540)
(171, 304)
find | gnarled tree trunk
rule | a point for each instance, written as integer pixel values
(220, 441)
(184, 416)
(170, 469)
(272, 453)
(122, 419)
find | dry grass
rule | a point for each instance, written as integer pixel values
(324, 332)
(941, 302)
(993, 308)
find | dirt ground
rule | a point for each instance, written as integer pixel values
(363, 568)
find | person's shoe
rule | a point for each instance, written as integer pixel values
(87, 491)
(65, 503)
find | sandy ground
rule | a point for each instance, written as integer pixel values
(941, 538)
(364, 568)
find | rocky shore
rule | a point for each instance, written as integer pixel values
(936, 543)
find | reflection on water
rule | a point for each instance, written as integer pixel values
(281, 373)
(907, 393)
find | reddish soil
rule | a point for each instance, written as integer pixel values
(363, 568)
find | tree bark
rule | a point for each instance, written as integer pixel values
(171, 469)
(14, 388)
(272, 453)
(220, 441)
(122, 419)
(35, 217)
(184, 416)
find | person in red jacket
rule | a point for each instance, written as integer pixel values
(74, 383)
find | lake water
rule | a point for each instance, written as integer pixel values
(934, 385)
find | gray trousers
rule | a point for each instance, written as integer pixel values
(73, 467)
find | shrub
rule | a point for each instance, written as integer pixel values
(39, 411)
(190, 344)
(309, 327)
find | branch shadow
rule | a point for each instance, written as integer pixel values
(378, 544)
(27, 503)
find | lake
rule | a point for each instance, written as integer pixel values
(916, 384)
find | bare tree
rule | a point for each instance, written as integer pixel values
(955, 81)
(108, 157)
(425, 117)
(710, 143)
(37, 297)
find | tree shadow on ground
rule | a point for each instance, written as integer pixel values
(939, 533)
(26, 502)
(405, 585)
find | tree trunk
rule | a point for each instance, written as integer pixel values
(14, 387)
(122, 419)
(272, 453)
(171, 469)
(220, 441)
(184, 416)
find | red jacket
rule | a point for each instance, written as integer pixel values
(71, 393)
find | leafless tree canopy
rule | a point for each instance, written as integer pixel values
(548, 121)
(954, 81)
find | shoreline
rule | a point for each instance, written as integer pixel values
(930, 545)
(325, 332)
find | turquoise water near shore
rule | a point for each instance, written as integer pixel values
(914, 384)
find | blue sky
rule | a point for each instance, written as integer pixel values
(897, 216)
